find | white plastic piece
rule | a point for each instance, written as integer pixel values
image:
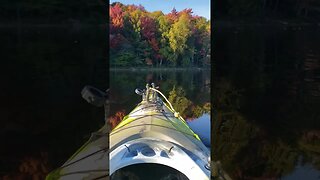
(194, 169)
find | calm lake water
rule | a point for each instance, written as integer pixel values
(202, 126)
(266, 94)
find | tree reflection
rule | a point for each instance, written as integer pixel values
(188, 109)
(246, 149)
(115, 119)
(309, 144)
(265, 101)
(186, 90)
(31, 167)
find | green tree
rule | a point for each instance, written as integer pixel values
(179, 34)
(164, 29)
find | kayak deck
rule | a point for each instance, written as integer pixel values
(89, 162)
(154, 128)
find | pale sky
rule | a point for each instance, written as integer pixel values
(199, 7)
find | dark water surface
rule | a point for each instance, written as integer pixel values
(266, 94)
(44, 120)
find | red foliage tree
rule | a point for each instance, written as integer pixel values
(148, 27)
(148, 31)
(154, 44)
(116, 17)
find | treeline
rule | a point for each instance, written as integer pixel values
(142, 38)
(260, 9)
(53, 11)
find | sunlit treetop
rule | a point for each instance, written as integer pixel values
(173, 15)
(116, 17)
(133, 7)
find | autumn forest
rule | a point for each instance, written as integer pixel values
(139, 38)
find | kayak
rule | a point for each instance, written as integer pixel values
(152, 135)
(91, 160)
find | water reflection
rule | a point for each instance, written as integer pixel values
(187, 90)
(266, 98)
(303, 171)
(201, 126)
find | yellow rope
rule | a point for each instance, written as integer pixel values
(164, 98)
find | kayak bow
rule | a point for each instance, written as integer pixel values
(154, 132)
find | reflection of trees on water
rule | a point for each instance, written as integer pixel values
(188, 109)
(115, 119)
(241, 145)
(188, 90)
(31, 167)
(266, 102)
(177, 96)
(231, 131)
(310, 145)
